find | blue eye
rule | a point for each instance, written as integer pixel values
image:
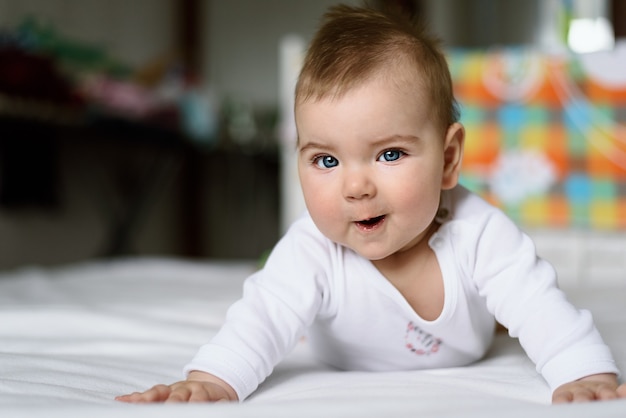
(391, 155)
(326, 161)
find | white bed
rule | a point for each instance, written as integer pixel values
(73, 337)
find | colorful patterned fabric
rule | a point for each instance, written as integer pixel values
(545, 134)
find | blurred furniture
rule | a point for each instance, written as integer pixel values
(221, 194)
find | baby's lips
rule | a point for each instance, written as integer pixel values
(371, 221)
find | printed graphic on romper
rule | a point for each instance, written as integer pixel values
(421, 342)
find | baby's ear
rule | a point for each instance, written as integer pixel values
(452, 155)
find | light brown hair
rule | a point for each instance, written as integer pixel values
(354, 44)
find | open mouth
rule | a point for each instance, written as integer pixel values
(371, 222)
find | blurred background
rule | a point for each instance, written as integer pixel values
(163, 127)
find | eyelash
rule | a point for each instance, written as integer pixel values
(399, 153)
(319, 160)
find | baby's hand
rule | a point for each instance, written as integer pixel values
(199, 387)
(598, 387)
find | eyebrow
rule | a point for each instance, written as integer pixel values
(314, 145)
(395, 139)
(379, 143)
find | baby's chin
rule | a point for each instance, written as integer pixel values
(380, 254)
(372, 254)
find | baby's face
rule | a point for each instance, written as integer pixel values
(371, 166)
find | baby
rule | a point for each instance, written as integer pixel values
(394, 266)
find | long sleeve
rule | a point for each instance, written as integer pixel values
(521, 291)
(278, 304)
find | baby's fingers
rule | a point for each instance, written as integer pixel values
(605, 393)
(179, 394)
(191, 391)
(588, 390)
(125, 398)
(158, 393)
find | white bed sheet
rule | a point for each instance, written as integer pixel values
(72, 338)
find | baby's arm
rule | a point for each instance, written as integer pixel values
(596, 387)
(198, 387)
